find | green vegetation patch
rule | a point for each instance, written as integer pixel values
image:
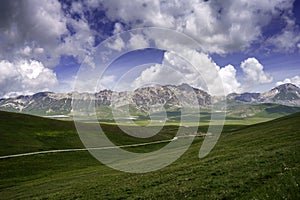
(260, 161)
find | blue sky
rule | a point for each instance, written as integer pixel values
(254, 45)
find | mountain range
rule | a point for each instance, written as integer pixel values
(286, 94)
(142, 99)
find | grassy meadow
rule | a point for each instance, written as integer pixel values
(258, 161)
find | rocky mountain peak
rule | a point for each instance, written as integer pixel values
(287, 87)
(286, 94)
(48, 103)
(171, 96)
(41, 94)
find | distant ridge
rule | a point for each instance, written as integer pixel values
(141, 99)
(48, 103)
(285, 94)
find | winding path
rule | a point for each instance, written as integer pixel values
(94, 148)
(86, 149)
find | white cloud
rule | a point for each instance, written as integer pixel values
(90, 84)
(107, 82)
(27, 51)
(204, 74)
(294, 80)
(38, 30)
(219, 26)
(76, 7)
(46, 18)
(176, 70)
(200, 71)
(25, 77)
(118, 44)
(147, 12)
(289, 37)
(78, 45)
(38, 50)
(158, 74)
(93, 3)
(118, 27)
(254, 72)
(137, 41)
(230, 83)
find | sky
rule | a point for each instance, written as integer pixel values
(252, 45)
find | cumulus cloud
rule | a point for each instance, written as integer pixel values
(230, 82)
(42, 32)
(25, 77)
(288, 38)
(219, 26)
(118, 44)
(90, 85)
(139, 12)
(118, 27)
(50, 29)
(32, 29)
(158, 74)
(79, 44)
(254, 72)
(137, 41)
(39, 33)
(32, 23)
(200, 71)
(177, 70)
(294, 80)
(107, 82)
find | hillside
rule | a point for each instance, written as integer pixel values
(263, 110)
(20, 133)
(260, 161)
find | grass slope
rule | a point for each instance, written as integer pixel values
(260, 161)
(20, 133)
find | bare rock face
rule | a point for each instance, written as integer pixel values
(48, 103)
(244, 97)
(142, 99)
(42, 103)
(170, 96)
(286, 94)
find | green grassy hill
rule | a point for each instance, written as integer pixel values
(264, 110)
(260, 161)
(20, 133)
